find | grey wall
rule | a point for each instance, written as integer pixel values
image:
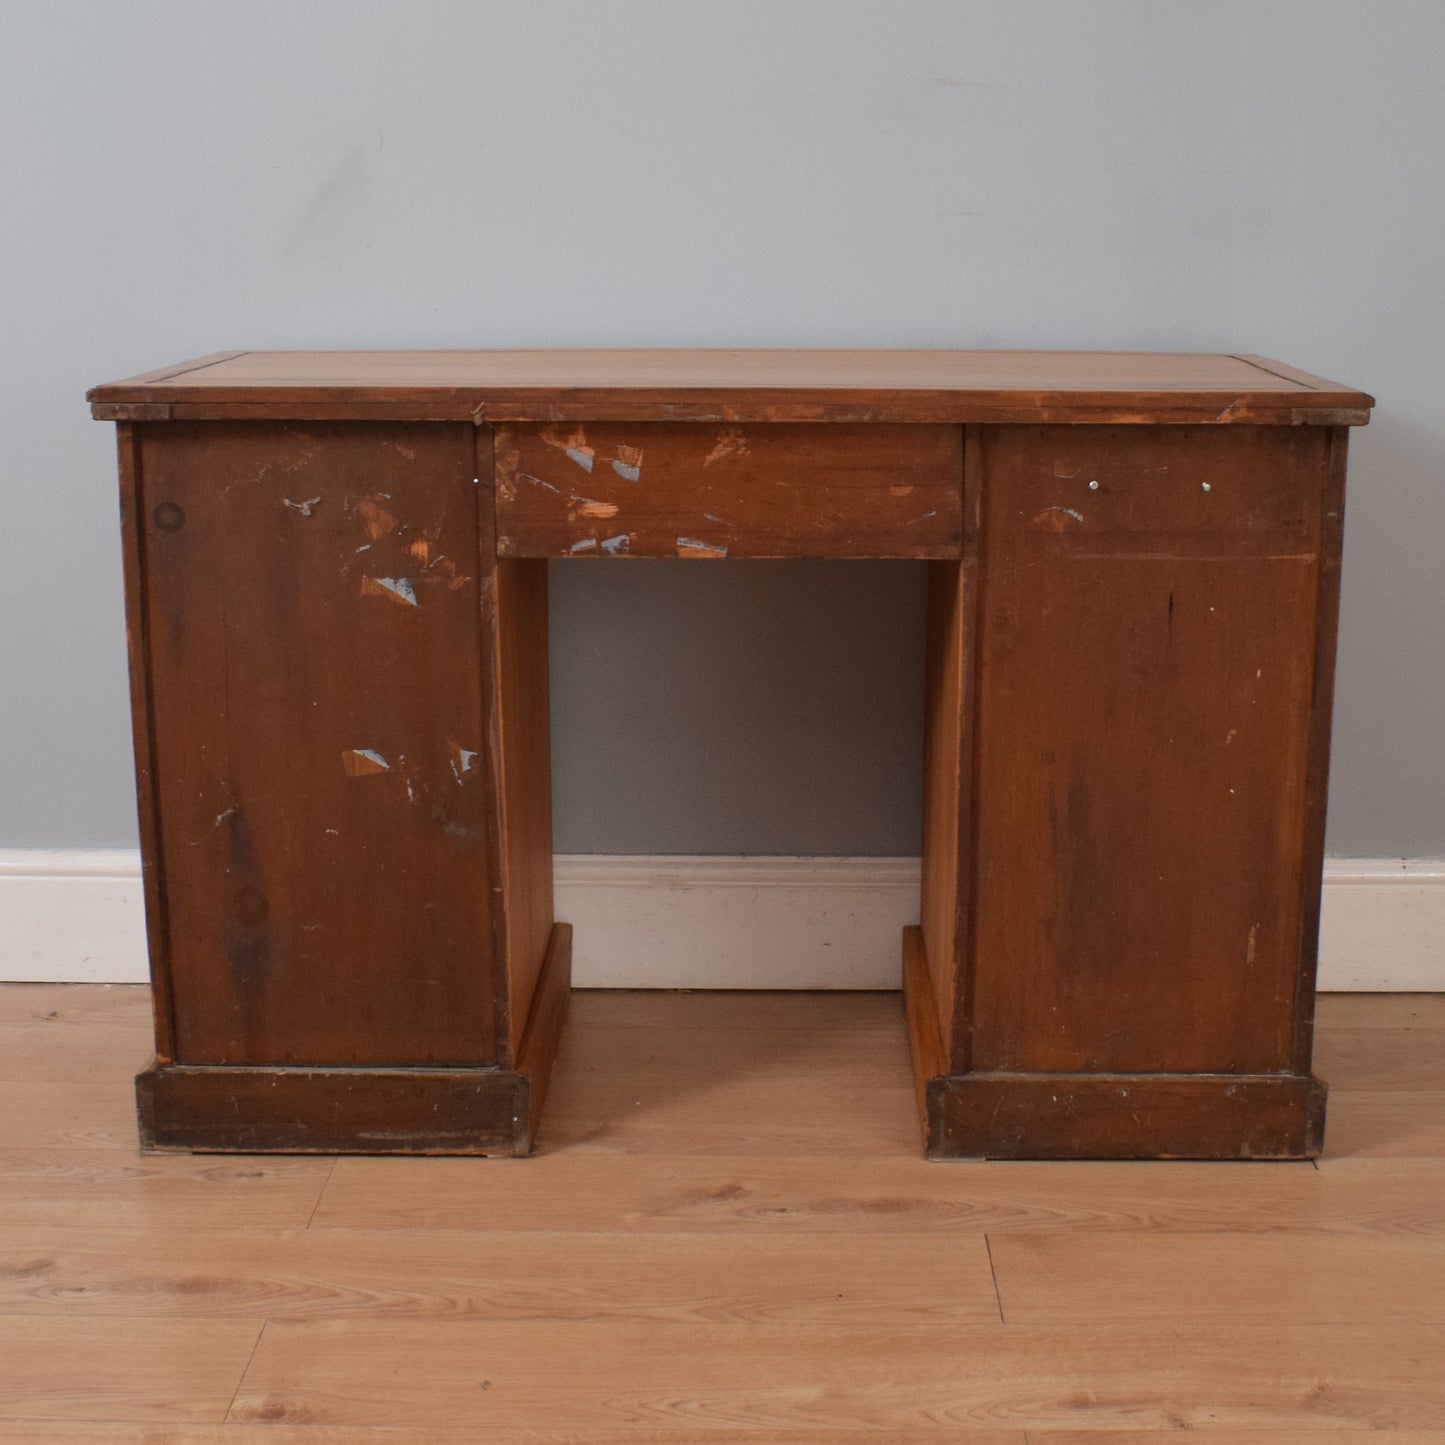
(178, 178)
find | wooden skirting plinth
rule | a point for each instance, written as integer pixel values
(1100, 1116)
(218, 1109)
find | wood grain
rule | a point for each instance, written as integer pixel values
(705, 492)
(1352, 1011)
(1387, 1125)
(863, 1194)
(742, 386)
(1047, 1279)
(313, 615)
(599, 1434)
(98, 1369)
(614, 1290)
(68, 1187)
(974, 1377)
(814, 1279)
(1144, 717)
(1351, 1059)
(523, 782)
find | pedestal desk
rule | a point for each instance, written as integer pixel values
(336, 573)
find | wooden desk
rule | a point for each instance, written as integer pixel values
(337, 607)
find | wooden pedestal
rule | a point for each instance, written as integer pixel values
(336, 591)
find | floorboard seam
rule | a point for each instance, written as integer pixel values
(321, 1194)
(993, 1274)
(246, 1370)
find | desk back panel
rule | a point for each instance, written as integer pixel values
(315, 658)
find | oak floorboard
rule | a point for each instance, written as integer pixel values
(1379, 1011)
(124, 1368)
(53, 1433)
(1400, 1061)
(96, 1113)
(46, 1432)
(857, 1194)
(76, 1005)
(1236, 1437)
(1051, 1279)
(563, 1375)
(818, 1280)
(1382, 1125)
(721, 1115)
(669, 1267)
(113, 1188)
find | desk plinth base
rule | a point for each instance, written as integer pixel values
(210, 1109)
(1100, 1116)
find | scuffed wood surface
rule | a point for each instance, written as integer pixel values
(742, 386)
(314, 648)
(710, 492)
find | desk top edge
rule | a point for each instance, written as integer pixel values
(921, 385)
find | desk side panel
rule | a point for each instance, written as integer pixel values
(1148, 656)
(317, 659)
(524, 785)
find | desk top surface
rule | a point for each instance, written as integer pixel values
(918, 386)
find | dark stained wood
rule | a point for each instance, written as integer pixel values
(743, 386)
(315, 655)
(947, 766)
(137, 636)
(336, 607)
(693, 491)
(224, 1110)
(545, 1017)
(1147, 652)
(1118, 1116)
(1317, 753)
(261, 1110)
(950, 708)
(524, 786)
(925, 1042)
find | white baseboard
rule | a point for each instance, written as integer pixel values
(71, 916)
(706, 922)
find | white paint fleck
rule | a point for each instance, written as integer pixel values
(305, 508)
(617, 546)
(626, 471)
(221, 817)
(582, 456)
(538, 482)
(361, 762)
(702, 549)
(464, 760)
(585, 545)
(399, 587)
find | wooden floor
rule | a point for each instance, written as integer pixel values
(728, 1235)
